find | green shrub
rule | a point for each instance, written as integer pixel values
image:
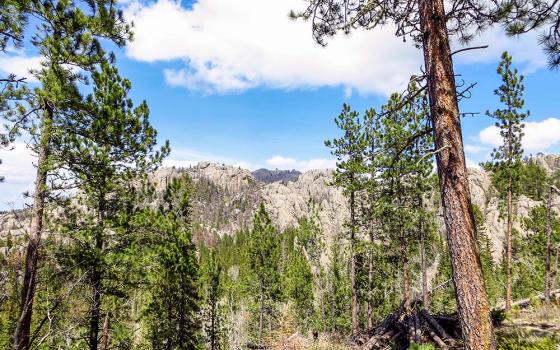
(519, 342)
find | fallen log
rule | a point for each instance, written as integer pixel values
(382, 329)
(527, 301)
(440, 343)
(439, 329)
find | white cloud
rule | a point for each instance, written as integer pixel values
(539, 135)
(20, 65)
(19, 173)
(281, 162)
(470, 148)
(235, 45)
(524, 49)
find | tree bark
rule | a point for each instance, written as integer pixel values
(96, 300)
(472, 300)
(105, 335)
(261, 311)
(406, 289)
(547, 274)
(23, 327)
(509, 245)
(370, 294)
(96, 283)
(425, 292)
(355, 326)
(555, 273)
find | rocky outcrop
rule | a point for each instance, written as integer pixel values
(226, 198)
(495, 223)
(269, 176)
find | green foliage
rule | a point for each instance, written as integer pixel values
(299, 288)
(173, 309)
(509, 119)
(492, 280)
(211, 276)
(506, 163)
(349, 151)
(530, 252)
(338, 287)
(524, 342)
(108, 153)
(264, 262)
(533, 180)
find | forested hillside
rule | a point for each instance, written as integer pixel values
(400, 246)
(301, 228)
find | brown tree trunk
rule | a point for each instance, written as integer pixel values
(370, 294)
(472, 300)
(509, 246)
(406, 289)
(547, 274)
(261, 315)
(322, 301)
(355, 326)
(425, 292)
(555, 273)
(23, 327)
(105, 335)
(96, 298)
(96, 283)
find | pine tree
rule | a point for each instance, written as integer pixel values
(311, 238)
(350, 168)
(507, 158)
(109, 149)
(13, 21)
(552, 183)
(264, 262)
(404, 174)
(67, 34)
(299, 287)
(491, 278)
(338, 285)
(213, 290)
(175, 299)
(431, 27)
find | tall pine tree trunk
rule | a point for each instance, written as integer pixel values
(406, 289)
(354, 306)
(547, 274)
(96, 297)
(322, 301)
(555, 273)
(105, 334)
(370, 294)
(23, 327)
(471, 295)
(425, 293)
(95, 312)
(261, 315)
(509, 244)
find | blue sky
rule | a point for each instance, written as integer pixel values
(241, 84)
